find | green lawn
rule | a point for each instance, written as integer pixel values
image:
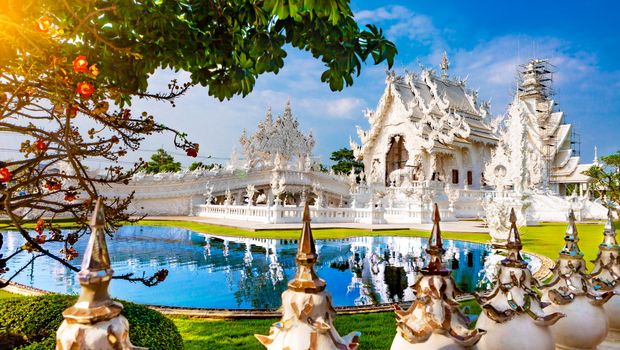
(377, 329)
(4, 294)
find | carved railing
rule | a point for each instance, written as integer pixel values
(279, 214)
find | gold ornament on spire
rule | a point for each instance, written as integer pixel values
(571, 239)
(445, 65)
(572, 293)
(513, 245)
(95, 321)
(94, 304)
(434, 321)
(306, 280)
(307, 311)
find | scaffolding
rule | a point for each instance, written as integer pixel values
(536, 78)
(575, 143)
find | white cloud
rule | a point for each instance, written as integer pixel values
(382, 14)
(404, 23)
(344, 107)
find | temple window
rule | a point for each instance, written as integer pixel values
(455, 176)
(470, 178)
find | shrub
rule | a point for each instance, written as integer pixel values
(30, 323)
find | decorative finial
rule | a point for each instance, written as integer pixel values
(609, 239)
(434, 317)
(445, 65)
(435, 248)
(95, 320)
(571, 238)
(513, 244)
(94, 303)
(595, 161)
(96, 258)
(306, 279)
(307, 312)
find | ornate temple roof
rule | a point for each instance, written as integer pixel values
(441, 110)
(280, 136)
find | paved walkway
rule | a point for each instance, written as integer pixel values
(456, 226)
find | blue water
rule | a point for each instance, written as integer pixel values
(208, 271)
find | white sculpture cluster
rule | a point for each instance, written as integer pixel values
(434, 321)
(571, 293)
(307, 311)
(280, 137)
(512, 313)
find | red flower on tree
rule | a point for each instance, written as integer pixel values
(5, 175)
(40, 238)
(85, 89)
(40, 145)
(70, 196)
(52, 185)
(80, 64)
(191, 152)
(43, 24)
(70, 253)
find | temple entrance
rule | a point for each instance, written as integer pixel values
(395, 160)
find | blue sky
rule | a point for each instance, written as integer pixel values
(485, 40)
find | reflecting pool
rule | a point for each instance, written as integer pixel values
(227, 272)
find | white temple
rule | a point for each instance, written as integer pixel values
(430, 140)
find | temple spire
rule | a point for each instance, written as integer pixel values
(571, 238)
(445, 65)
(96, 256)
(306, 279)
(609, 239)
(595, 161)
(94, 304)
(513, 244)
(435, 248)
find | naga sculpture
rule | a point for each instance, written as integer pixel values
(512, 313)
(571, 293)
(434, 321)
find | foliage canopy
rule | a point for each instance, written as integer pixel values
(70, 69)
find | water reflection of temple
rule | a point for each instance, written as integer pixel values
(380, 269)
(238, 272)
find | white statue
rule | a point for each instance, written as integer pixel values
(228, 197)
(209, 198)
(250, 191)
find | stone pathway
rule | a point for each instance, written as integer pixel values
(456, 226)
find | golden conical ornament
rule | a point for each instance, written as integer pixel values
(307, 311)
(512, 313)
(94, 304)
(306, 280)
(571, 292)
(95, 321)
(434, 321)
